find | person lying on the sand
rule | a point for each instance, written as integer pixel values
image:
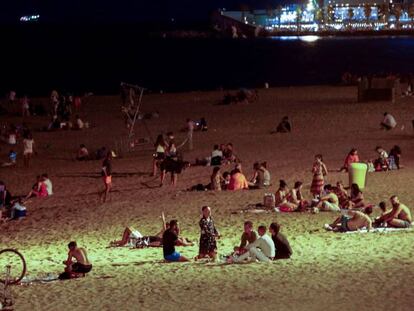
(399, 216)
(170, 240)
(352, 220)
(282, 246)
(130, 236)
(329, 202)
(263, 249)
(248, 237)
(78, 268)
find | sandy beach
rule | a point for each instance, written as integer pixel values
(327, 271)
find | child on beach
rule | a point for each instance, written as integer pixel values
(106, 173)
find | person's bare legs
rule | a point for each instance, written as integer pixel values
(162, 177)
(105, 192)
(154, 167)
(125, 238)
(174, 178)
(397, 223)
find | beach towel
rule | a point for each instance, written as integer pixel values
(373, 230)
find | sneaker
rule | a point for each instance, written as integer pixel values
(328, 227)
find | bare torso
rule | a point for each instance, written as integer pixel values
(358, 221)
(404, 214)
(80, 255)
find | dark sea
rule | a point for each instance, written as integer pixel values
(35, 60)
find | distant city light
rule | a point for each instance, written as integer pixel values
(29, 18)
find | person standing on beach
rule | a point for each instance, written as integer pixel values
(106, 175)
(208, 236)
(190, 130)
(319, 171)
(28, 143)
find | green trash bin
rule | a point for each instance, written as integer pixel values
(358, 174)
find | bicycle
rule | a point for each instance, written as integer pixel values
(14, 265)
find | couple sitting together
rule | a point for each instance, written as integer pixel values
(259, 180)
(399, 216)
(258, 246)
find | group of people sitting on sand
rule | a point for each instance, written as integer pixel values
(222, 154)
(254, 246)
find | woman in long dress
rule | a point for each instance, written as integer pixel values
(319, 171)
(208, 236)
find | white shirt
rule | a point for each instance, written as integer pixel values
(49, 187)
(266, 245)
(217, 153)
(28, 145)
(389, 120)
(79, 123)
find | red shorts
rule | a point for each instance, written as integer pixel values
(107, 180)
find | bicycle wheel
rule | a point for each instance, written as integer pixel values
(12, 266)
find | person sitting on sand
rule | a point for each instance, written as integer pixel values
(282, 246)
(170, 239)
(208, 236)
(330, 201)
(295, 197)
(228, 154)
(48, 183)
(281, 198)
(319, 172)
(83, 153)
(342, 195)
(226, 181)
(216, 179)
(79, 124)
(263, 249)
(356, 198)
(378, 222)
(39, 189)
(78, 268)
(388, 123)
(248, 237)
(12, 159)
(352, 157)
(261, 176)
(284, 126)
(352, 220)
(381, 163)
(237, 181)
(399, 216)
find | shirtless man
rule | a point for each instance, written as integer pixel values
(400, 215)
(78, 268)
(248, 236)
(354, 220)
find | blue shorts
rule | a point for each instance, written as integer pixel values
(173, 257)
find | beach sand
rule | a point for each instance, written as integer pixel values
(326, 272)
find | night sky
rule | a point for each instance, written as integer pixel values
(119, 10)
